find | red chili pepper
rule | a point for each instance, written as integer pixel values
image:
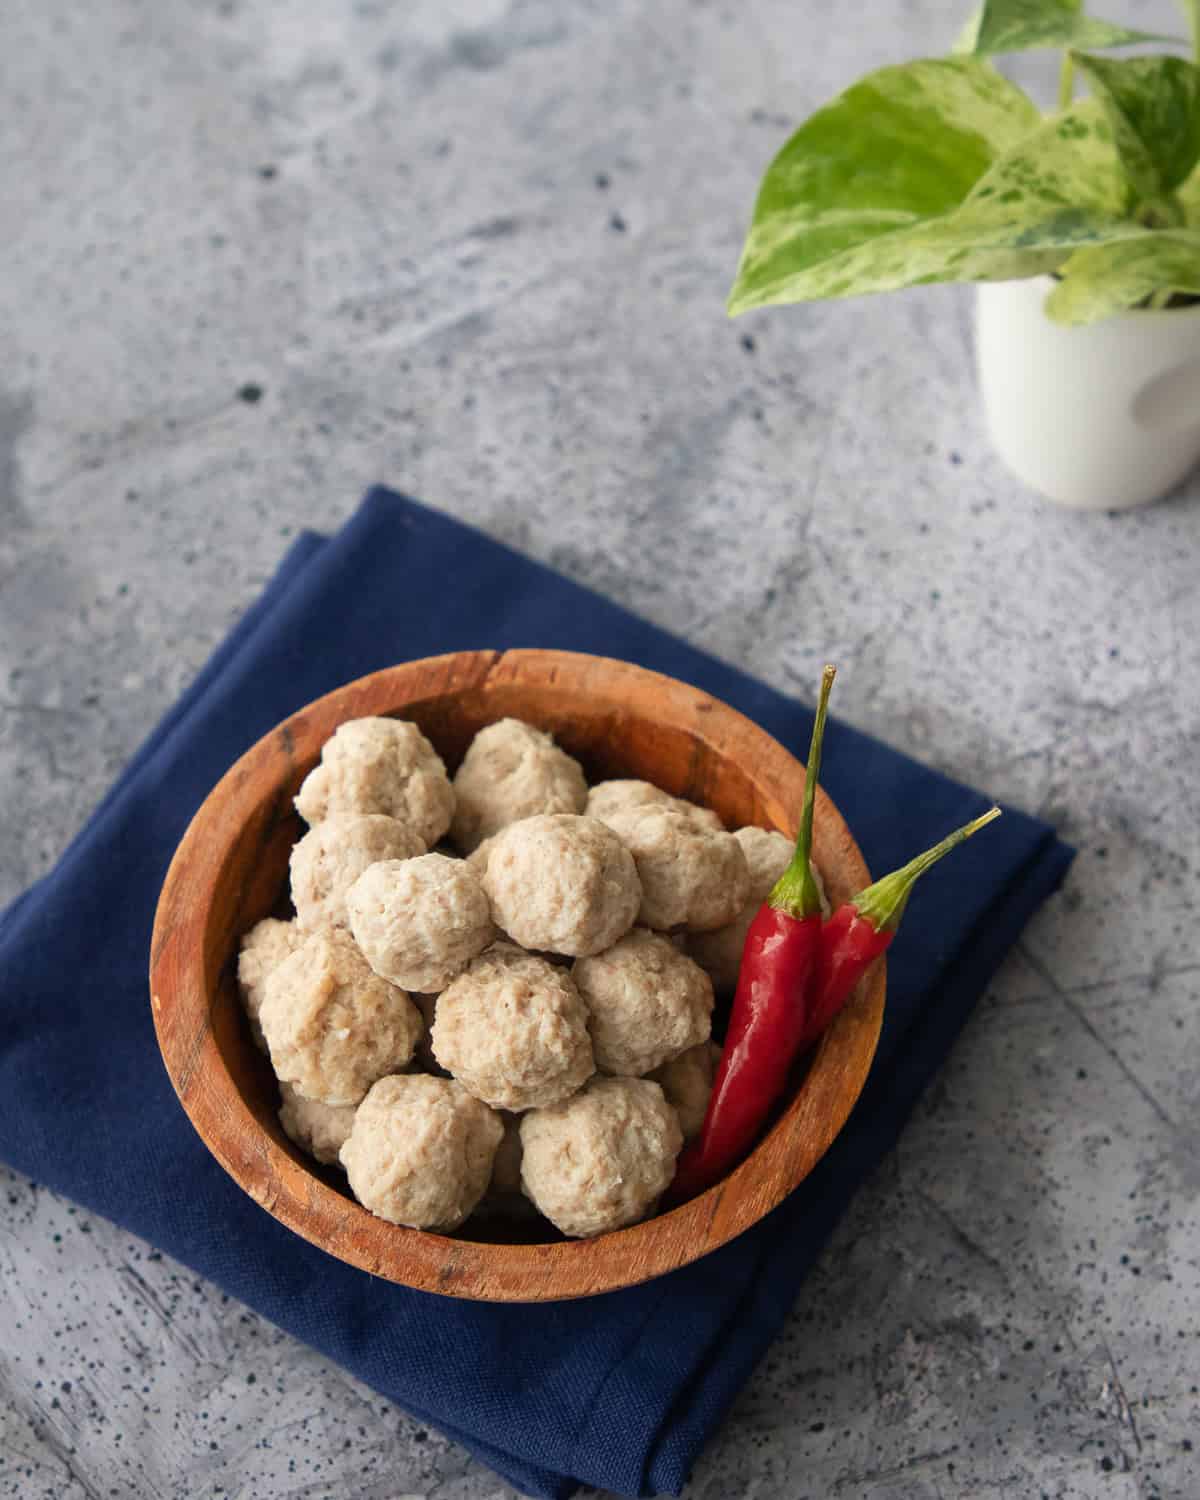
(766, 1025)
(859, 931)
(789, 990)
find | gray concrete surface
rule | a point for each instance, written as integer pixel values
(479, 249)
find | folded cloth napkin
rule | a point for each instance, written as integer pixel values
(619, 1391)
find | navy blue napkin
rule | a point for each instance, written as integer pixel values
(619, 1391)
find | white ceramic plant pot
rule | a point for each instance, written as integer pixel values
(1101, 417)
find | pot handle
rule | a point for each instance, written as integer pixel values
(1171, 401)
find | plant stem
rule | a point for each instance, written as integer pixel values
(1160, 299)
(1160, 213)
(1066, 81)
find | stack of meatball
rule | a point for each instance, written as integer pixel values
(523, 1015)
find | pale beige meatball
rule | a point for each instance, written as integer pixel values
(691, 877)
(687, 1082)
(646, 1001)
(380, 766)
(600, 1160)
(320, 1129)
(334, 853)
(419, 922)
(768, 854)
(562, 883)
(512, 771)
(332, 1025)
(719, 953)
(513, 1030)
(420, 1152)
(263, 949)
(609, 797)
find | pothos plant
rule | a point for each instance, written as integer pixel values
(943, 170)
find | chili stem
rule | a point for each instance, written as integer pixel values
(796, 889)
(883, 903)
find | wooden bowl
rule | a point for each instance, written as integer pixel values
(231, 869)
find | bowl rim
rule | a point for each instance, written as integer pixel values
(183, 993)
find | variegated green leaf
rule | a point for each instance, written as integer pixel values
(1058, 188)
(934, 250)
(1187, 195)
(1068, 164)
(1153, 105)
(901, 148)
(1107, 279)
(1029, 25)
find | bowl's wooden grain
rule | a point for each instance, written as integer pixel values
(231, 869)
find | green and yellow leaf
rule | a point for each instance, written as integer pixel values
(1153, 106)
(1069, 162)
(1030, 25)
(1057, 187)
(900, 148)
(1106, 279)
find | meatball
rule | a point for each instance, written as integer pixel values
(600, 1160)
(646, 1001)
(380, 766)
(334, 853)
(691, 877)
(513, 1030)
(768, 855)
(420, 1152)
(608, 797)
(332, 1025)
(419, 922)
(320, 1129)
(687, 1082)
(512, 771)
(562, 883)
(719, 953)
(263, 949)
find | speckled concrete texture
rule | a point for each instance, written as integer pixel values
(259, 255)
